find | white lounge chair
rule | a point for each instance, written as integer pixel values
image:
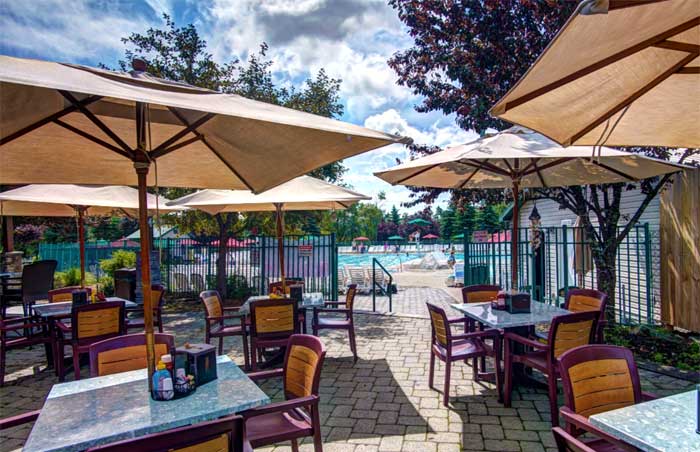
(359, 277)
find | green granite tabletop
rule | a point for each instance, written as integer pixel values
(540, 313)
(101, 410)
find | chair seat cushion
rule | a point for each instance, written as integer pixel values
(274, 427)
(463, 349)
(333, 323)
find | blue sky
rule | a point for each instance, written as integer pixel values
(351, 39)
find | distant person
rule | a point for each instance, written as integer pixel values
(386, 247)
(451, 260)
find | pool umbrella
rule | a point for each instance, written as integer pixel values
(619, 73)
(458, 236)
(517, 158)
(66, 200)
(430, 236)
(63, 123)
(301, 193)
(420, 222)
(395, 237)
(361, 239)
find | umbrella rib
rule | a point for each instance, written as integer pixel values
(485, 166)
(602, 63)
(550, 165)
(95, 120)
(92, 138)
(159, 153)
(680, 46)
(48, 119)
(204, 141)
(163, 149)
(539, 173)
(463, 184)
(613, 170)
(622, 4)
(634, 96)
(400, 181)
(689, 70)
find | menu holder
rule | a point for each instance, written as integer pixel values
(202, 361)
(517, 302)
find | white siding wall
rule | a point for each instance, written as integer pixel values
(553, 216)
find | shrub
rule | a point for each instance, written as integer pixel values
(119, 259)
(71, 277)
(106, 285)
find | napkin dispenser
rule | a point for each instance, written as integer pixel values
(296, 292)
(80, 297)
(517, 302)
(202, 361)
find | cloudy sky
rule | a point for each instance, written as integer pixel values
(351, 39)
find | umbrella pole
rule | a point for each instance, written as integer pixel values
(141, 167)
(81, 243)
(280, 244)
(514, 236)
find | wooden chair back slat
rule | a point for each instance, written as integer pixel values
(96, 321)
(599, 378)
(572, 335)
(275, 318)
(65, 294)
(302, 366)
(125, 353)
(480, 293)
(350, 296)
(212, 303)
(440, 326)
(579, 300)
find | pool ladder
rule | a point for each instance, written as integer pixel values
(376, 284)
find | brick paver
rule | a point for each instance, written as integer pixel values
(381, 403)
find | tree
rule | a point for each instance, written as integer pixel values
(180, 54)
(466, 55)
(394, 215)
(489, 219)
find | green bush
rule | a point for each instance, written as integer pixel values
(71, 277)
(106, 285)
(236, 286)
(119, 259)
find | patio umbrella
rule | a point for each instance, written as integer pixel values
(66, 200)
(63, 123)
(301, 193)
(517, 158)
(395, 237)
(619, 73)
(430, 236)
(361, 239)
(420, 222)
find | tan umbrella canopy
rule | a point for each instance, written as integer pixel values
(62, 123)
(619, 73)
(67, 200)
(517, 158)
(301, 193)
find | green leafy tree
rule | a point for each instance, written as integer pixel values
(465, 56)
(394, 215)
(489, 219)
(180, 54)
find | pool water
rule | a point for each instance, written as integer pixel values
(387, 260)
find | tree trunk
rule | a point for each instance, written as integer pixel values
(606, 275)
(222, 254)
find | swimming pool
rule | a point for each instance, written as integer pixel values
(387, 260)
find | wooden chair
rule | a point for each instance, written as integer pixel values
(65, 294)
(347, 324)
(277, 285)
(216, 315)
(37, 280)
(596, 379)
(449, 347)
(567, 443)
(297, 416)
(125, 353)
(23, 332)
(478, 293)
(222, 435)
(272, 323)
(567, 331)
(580, 300)
(137, 323)
(90, 323)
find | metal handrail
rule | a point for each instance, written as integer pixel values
(384, 290)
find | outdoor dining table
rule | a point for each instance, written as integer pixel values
(540, 314)
(101, 410)
(309, 300)
(54, 311)
(660, 425)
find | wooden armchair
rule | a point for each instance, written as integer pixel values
(478, 293)
(222, 435)
(567, 331)
(297, 416)
(215, 324)
(567, 443)
(598, 378)
(65, 294)
(125, 353)
(347, 324)
(449, 347)
(24, 332)
(272, 323)
(90, 323)
(137, 323)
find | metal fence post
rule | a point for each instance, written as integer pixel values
(565, 254)
(649, 278)
(467, 258)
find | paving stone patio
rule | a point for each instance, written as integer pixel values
(382, 402)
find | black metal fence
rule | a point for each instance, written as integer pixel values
(188, 267)
(558, 259)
